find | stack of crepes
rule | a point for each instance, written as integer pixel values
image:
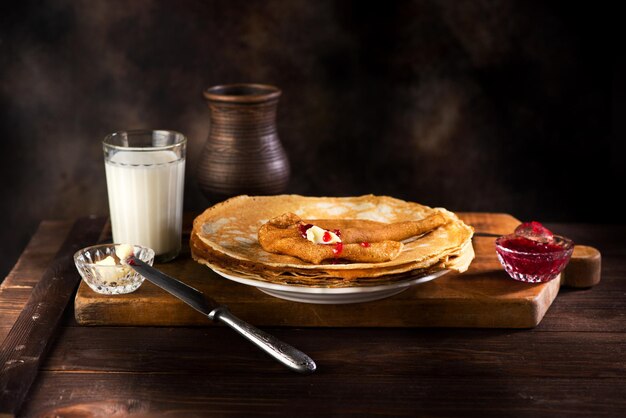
(225, 238)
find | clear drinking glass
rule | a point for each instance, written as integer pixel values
(145, 172)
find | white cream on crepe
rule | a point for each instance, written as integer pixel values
(315, 234)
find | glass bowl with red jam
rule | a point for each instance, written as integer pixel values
(533, 253)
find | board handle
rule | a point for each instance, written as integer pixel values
(583, 269)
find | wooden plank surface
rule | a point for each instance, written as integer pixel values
(16, 288)
(323, 395)
(32, 333)
(484, 296)
(572, 364)
(149, 350)
(387, 372)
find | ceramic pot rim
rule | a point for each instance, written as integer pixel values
(242, 93)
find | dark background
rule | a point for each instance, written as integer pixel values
(471, 105)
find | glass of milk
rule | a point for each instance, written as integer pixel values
(145, 172)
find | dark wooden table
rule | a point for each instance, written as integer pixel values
(572, 364)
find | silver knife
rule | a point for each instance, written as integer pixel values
(291, 357)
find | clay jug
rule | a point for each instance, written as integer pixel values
(243, 154)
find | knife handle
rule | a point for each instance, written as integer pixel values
(291, 357)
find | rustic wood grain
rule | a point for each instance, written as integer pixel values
(38, 254)
(572, 364)
(324, 394)
(354, 351)
(32, 333)
(16, 288)
(591, 309)
(584, 268)
(484, 296)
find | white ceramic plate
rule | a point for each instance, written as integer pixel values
(325, 295)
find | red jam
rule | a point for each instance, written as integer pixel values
(337, 232)
(526, 245)
(337, 249)
(365, 244)
(326, 237)
(303, 228)
(537, 259)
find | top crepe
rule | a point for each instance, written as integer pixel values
(225, 235)
(360, 240)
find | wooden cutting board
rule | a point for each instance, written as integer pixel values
(484, 296)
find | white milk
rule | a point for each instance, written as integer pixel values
(146, 199)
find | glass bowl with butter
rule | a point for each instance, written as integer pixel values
(104, 270)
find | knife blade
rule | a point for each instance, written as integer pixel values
(289, 356)
(182, 291)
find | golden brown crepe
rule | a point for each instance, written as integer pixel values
(361, 230)
(283, 235)
(224, 237)
(325, 278)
